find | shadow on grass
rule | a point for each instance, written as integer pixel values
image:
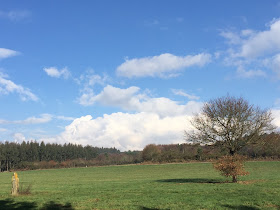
(211, 181)
(240, 207)
(10, 204)
(55, 206)
(146, 208)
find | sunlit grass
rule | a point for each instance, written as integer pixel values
(171, 186)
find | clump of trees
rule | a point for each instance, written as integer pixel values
(34, 155)
(180, 153)
(233, 123)
(267, 147)
(151, 153)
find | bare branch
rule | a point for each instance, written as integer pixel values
(231, 121)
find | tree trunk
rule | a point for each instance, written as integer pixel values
(231, 152)
(234, 178)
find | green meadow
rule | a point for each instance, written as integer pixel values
(166, 186)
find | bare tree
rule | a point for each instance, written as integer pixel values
(231, 121)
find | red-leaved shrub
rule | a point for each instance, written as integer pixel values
(231, 166)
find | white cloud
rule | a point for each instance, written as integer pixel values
(262, 43)
(19, 137)
(65, 118)
(242, 73)
(87, 98)
(275, 64)
(54, 72)
(162, 65)
(90, 79)
(130, 99)
(109, 96)
(93, 79)
(3, 129)
(44, 118)
(6, 53)
(114, 96)
(124, 131)
(232, 37)
(252, 44)
(8, 86)
(254, 50)
(277, 102)
(182, 93)
(247, 32)
(15, 15)
(276, 115)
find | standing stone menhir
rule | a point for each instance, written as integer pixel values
(15, 184)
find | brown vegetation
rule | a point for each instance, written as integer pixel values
(231, 166)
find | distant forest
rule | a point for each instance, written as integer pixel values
(34, 155)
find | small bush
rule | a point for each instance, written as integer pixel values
(25, 190)
(231, 166)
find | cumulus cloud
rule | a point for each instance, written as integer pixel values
(8, 86)
(264, 42)
(182, 93)
(276, 115)
(162, 65)
(127, 131)
(253, 44)
(254, 50)
(124, 131)
(130, 99)
(55, 72)
(6, 53)
(19, 137)
(150, 120)
(111, 96)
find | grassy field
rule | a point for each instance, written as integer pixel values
(169, 186)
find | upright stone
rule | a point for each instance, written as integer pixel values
(15, 184)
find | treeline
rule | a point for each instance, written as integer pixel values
(34, 155)
(267, 147)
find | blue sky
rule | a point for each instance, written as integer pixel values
(128, 73)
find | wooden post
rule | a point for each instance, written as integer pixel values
(15, 184)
